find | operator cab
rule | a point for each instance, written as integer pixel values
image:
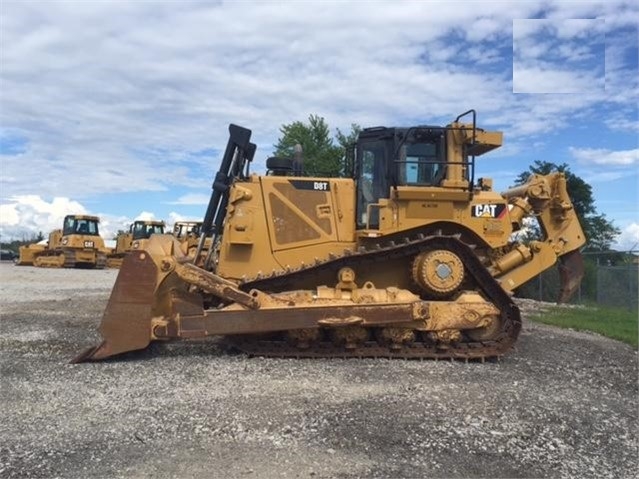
(144, 230)
(81, 225)
(184, 228)
(391, 157)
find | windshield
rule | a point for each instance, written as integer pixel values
(74, 225)
(419, 164)
(143, 231)
(181, 230)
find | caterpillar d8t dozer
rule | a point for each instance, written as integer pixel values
(77, 244)
(139, 231)
(407, 256)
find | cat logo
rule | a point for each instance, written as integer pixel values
(488, 211)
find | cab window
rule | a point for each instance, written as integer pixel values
(80, 226)
(419, 164)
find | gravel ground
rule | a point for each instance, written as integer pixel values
(563, 404)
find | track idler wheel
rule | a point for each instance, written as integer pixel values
(439, 272)
(486, 333)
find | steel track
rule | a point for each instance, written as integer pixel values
(422, 348)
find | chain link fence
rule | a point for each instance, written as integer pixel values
(605, 282)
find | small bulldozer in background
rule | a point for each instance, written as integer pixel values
(139, 232)
(408, 255)
(27, 253)
(188, 234)
(77, 244)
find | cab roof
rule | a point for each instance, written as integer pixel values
(84, 217)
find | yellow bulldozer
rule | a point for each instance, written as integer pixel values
(188, 234)
(27, 253)
(77, 244)
(134, 239)
(408, 255)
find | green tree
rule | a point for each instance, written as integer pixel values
(600, 232)
(347, 145)
(322, 157)
(15, 244)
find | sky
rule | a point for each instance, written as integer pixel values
(121, 109)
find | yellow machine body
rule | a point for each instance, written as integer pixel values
(188, 234)
(134, 239)
(28, 254)
(409, 256)
(77, 244)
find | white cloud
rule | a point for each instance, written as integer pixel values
(9, 215)
(146, 216)
(113, 97)
(110, 225)
(601, 156)
(575, 52)
(531, 50)
(558, 55)
(620, 122)
(116, 97)
(484, 28)
(23, 217)
(578, 28)
(174, 217)
(524, 28)
(591, 177)
(544, 78)
(628, 239)
(192, 199)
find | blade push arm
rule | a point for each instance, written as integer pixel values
(546, 198)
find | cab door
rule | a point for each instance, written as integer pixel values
(372, 181)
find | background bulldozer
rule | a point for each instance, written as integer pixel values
(27, 253)
(77, 244)
(188, 234)
(139, 231)
(408, 255)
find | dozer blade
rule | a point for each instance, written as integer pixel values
(571, 272)
(126, 324)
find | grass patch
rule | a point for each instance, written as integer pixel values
(614, 323)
